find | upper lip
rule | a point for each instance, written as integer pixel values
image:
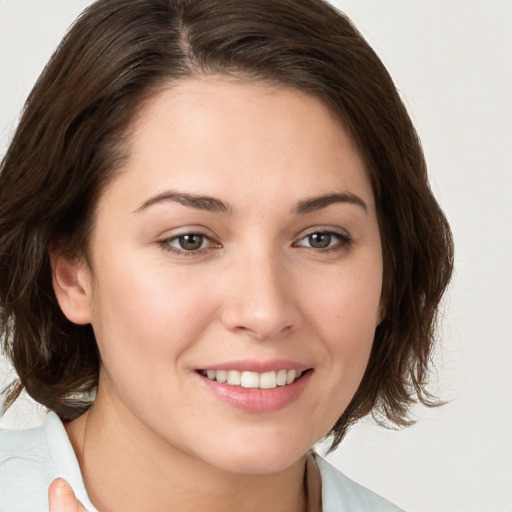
(247, 365)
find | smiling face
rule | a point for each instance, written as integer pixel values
(239, 242)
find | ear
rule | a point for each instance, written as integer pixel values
(71, 279)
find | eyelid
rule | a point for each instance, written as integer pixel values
(165, 242)
(344, 238)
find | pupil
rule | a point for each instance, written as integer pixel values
(320, 240)
(191, 242)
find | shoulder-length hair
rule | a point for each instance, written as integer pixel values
(70, 141)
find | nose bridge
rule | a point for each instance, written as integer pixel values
(257, 302)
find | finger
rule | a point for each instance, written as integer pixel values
(62, 498)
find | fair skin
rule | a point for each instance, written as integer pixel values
(240, 235)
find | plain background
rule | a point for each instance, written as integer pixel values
(451, 60)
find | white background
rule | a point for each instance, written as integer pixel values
(451, 60)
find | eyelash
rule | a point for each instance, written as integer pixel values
(344, 241)
(165, 244)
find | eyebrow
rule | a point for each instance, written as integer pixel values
(320, 202)
(199, 202)
(212, 204)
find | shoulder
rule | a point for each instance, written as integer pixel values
(30, 460)
(26, 469)
(341, 494)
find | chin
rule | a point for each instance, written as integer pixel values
(260, 458)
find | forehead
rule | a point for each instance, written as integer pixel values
(217, 135)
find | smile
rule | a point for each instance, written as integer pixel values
(253, 380)
(275, 386)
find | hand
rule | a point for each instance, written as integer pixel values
(62, 498)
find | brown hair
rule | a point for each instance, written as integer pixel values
(69, 143)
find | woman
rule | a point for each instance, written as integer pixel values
(218, 247)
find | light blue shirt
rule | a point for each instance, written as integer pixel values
(31, 459)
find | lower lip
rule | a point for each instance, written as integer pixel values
(258, 400)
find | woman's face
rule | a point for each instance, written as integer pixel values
(239, 242)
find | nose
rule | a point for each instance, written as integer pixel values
(258, 299)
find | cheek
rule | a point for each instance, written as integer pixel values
(145, 314)
(345, 312)
(342, 314)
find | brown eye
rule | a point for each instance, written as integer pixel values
(190, 242)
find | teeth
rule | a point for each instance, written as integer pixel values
(234, 378)
(221, 376)
(267, 380)
(281, 378)
(250, 380)
(290, 376)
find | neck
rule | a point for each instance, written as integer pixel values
(126, 467)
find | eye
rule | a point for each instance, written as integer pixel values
(324, 240)
(190, 242)
(319, 240)
(187, 243)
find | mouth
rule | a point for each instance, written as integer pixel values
(256, 386)
(253, 380)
